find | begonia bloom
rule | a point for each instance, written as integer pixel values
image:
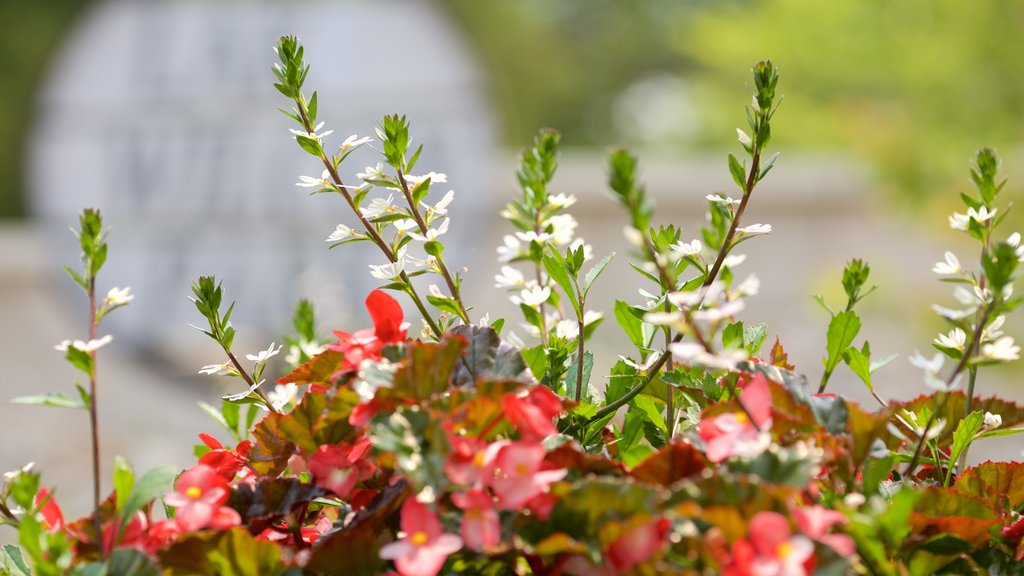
(425, 547)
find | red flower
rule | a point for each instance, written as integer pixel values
(481, 527)
(227, 463)
(199, 495)
(388, 328)
(338, 467)
(769, 550)
(734, 433)
(533, 414)
(425, 547)
(638, 543)
(467, 464)
(53, 518)
(815, 521)
(519, 474)
(160, 535)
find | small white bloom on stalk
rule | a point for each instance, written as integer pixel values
(559, 201)
(1002, 350)
(509, 278)
(693, 354)
(644, 366)
(9, 476)
(955, 339)
(633, 236)
(992, 421)
(432, 233)
(1014, 241)
(743, 137)
(931, 369)
(264, 355)
(90, 346)
(119, 296)
(719, 199)
(310, 182)
(952, 314)
(219, 370)
(950, 267)
(674, 319)
(755, 229)
(343, 232)
(959, 221)
(691, 248)
(570, 329)
(404, 225)
(378, 207)
(510, 249)
(310, 349)
(686, 299)
(372, 172)
(440, 208)
(531, 236)
(246, 394)
(391, 270)
(314, 134)
(563, 228)
(435, 178)
(993, 331)
(734, 260)
(750, 286)
(282, 395)
(721, 312)
(934, 431)
(534, 296)
(353, 141)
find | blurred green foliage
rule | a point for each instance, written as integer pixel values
(30, 31)
(913, 87)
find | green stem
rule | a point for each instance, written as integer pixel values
(94, 417)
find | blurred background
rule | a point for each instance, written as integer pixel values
(162, 114)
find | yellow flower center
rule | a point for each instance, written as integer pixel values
(478, 459)
(194, 492)
(522, 469)
(784, 550)
(419, 538)
(741, 418)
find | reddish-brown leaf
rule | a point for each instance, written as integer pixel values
(675, 461)
(1000, 484)
(317, 370)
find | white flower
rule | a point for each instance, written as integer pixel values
(726, 310)
(568, 329)
(509, 278)
(719, 199)
(435, 178)
(342, 232)
(743, 137)
(377, 207)
(750, 286)
(404, 225)
(310, 182)
(952, 314)
(247, 393)
(734, 260)
(219, 370)
(993, 330)
(561, 200)
(432, 233)
(949, 267)
(563, 228)
(633, 236)
(1002, 350)
(931, 369)
(119, 296)
(283, 395)
(686, 299)
(264, 355)
(1014, 240)
(439, 209)
(992, 421)
(663, 318)
(641, 367)
(372, 172)
(310, 349)
(510, 249)
(531, 236)
(90, 346)
(535, 295)
(690, 248)
(390, 270)
(588, 251)
(353, 141)
(755, 229)
(962, 221)
(692, 353)
(955, 340)
(313, 134)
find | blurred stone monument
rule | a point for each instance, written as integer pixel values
(162, 114)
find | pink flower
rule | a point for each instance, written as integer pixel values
(338, 468)
(161, 534)
(770, 550)
(199, 495)
(734, 433)
(388, 328)
(227, 462)
(425, 547)
(815, 521)
(533, 414)
(53, 518)
(519, 474)
(637, 544)
(467, 464)
(481, 528)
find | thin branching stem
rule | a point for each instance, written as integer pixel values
(93, 414)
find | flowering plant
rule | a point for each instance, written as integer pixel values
(456, 449)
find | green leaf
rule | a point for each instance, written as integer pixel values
(754, 337)
(14, 561)
(148, 487)
(216, 414)
(312, 108)
(738, 172)
(860, 365)
(77, 277)
(630, 323)
(79, 359)
(232, 552)
(310, 145)
(557, 269)
(965, 432)
(841, 331)
(537, 361)
(732, 336)
(594, 272)
(129, 562)
(124, 479)
(56, 400)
